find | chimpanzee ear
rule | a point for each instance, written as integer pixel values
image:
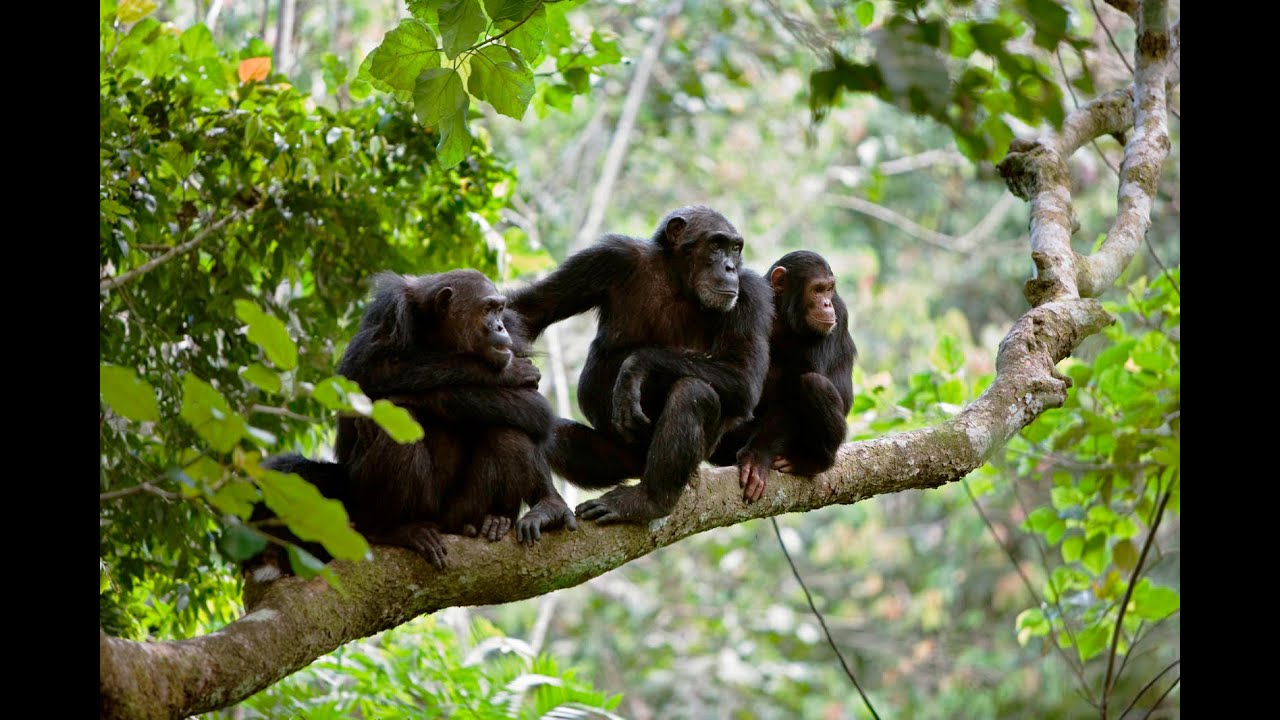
(777, 278)
(442, 298)
(673, 231)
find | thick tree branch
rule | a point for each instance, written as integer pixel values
(1037, 171)
(292, 621)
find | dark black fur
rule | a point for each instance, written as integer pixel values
(679, 356)
(800, 421)
(442, 346)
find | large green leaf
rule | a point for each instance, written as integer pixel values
(127, 394)
(500, 77)
(528, 37)
(1092, 640)
(405, 53)
(269, 332)
(1152, 602)
(510, 10)
(438, 96)
(241, 543)
(397, 421)
(263, 377)
(236, 498)
(461, 22)
(310, 515)
(207, 412)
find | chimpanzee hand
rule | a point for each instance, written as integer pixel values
(753, 469)
(628, 417)
(521, 372)
(421, 537)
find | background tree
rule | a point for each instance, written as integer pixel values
(925, 239)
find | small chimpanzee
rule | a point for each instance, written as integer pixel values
(680, 355)
(800, 420)
(438, 344)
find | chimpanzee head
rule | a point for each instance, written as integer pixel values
(705, 252)
(804, 291)
(459, 311)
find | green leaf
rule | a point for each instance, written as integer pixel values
(1050, 20)
(405, 53)
(862, 403)
(310, 515)
(1092, 640)
(1072, 547)
(269, 333)
(239, 543)
(952, 391)
(509, 10)
(1152, 602)
(262, 377)
(335, 392)
(207, 412)
(1053, 534)
(127, 394)
(335, 73)
(455, 138)
(980, 485)
(438, 96)
(990, 37)
(1153, 352)
(461, 22)
(865, 12)
(528, 37)
(131, 11)
(197, 43)
(1031, 623)
(304, 564)
(962, 44)
(236, 498)
(1094, 556)
(947, 357)
(500, 77)
(397, 422)
(1040, 519)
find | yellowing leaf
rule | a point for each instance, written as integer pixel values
(131, 11)
(254, 69)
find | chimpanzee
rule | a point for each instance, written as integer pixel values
(800, 420)
(680, 356)
(439, 345)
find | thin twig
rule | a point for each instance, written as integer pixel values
(140, 487)
(1066, 80)
(1163, 695)
(1107, 30)
(1147, 687)
(1053, 635)
(821, 620)
(117, 281)
(504, 33)
(1163, 269)
(1109, 681)
(282, 412)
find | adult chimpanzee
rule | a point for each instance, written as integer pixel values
(438, 344)
(800, 420)
(679, 356)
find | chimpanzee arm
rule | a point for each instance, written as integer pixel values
(582, 282)
(427, 371)
(523, 409)
(735, 368)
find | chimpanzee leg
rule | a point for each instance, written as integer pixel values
(589, 458)
(496, 479)
(689, 423)
(820, 429)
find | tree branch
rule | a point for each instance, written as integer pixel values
(293, 621)
(152, 264)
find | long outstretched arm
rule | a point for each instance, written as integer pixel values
(524, 409)
(580, 283)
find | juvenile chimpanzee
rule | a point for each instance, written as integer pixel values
(438, 344)
(679, 356)
(800, 420)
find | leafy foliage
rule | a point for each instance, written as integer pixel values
(425, 668)
(238, 225)
(452, 51)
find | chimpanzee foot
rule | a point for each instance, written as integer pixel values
(629, 503)
(423, 538)
(547, 514)
(495, 527)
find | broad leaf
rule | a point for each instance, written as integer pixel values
(397, 422)
(461, 22)
(310, 515)
(405, 53)
(127, 394)
(268, 332)
(500, 77)
(207, 412)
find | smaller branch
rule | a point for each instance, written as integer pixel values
(140, 487)
(907, 225)
(1163, 695)
(1147, 687)
(504, 33)
(626, 122)
(117, 281)
(1026, 581)
(1132, 6)
(988, 223)
(1109, 681)
(1066, 80)
(283, 412)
